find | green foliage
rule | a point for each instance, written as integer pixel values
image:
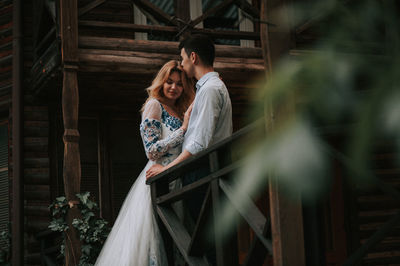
(5, 251)
(92, 231)
(343, 84)
(347, 79)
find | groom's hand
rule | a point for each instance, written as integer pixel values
(154, 170)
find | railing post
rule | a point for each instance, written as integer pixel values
(156, 189)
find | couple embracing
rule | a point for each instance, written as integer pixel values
(177, 123)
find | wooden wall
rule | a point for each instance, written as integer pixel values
(37, 179)
(5, 96)
(373, 208)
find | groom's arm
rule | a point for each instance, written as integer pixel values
(158, 168)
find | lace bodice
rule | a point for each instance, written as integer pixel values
(161, 133)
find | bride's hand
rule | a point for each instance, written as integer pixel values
(187, 117)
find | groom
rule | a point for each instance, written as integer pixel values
(211, 117)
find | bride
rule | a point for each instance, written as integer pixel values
(134, 239)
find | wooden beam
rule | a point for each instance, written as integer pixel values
(155, 11)
(225, 34)
(286, 227)
(276, 41)
(147, 63)
(179, 234)
(264, 38)
(182, 8)
(92, 5)
(70, 104)
(162, 47)
(129, 26)
(286, 214)
(211, 11)
(248, 8)
(250, 213)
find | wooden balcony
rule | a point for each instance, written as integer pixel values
(111, 46)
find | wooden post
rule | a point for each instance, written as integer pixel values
(17, 225)
(182, 11)
(70, 104)
(286, 215)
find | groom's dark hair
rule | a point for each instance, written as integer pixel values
(202, 45)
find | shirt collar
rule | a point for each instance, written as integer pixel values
(204, 78)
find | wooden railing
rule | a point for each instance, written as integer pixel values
(221, 161)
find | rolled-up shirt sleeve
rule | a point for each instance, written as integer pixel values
(201, 130)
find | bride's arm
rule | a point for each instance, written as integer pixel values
(151, 132)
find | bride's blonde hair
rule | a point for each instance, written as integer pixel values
(156, 89)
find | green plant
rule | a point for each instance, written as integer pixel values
(92, 230)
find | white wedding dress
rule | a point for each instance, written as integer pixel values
(135, 239)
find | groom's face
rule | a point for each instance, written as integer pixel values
(187, 64)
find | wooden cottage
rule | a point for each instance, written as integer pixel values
(72, 82)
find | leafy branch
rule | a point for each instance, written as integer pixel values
(92, 230)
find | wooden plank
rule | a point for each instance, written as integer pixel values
(199, 241)
(186, 190)
(145, 65)
(226, 34)
(252, 63)
(128, 26)
(179, 235)
(92, 5)
(162, 47)
(248, 210)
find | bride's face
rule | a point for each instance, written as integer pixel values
(173, 87)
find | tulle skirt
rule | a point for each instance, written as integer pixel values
(135, 239)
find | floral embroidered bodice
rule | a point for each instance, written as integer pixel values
(161, 133)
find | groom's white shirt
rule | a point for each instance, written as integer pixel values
(211, 118)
